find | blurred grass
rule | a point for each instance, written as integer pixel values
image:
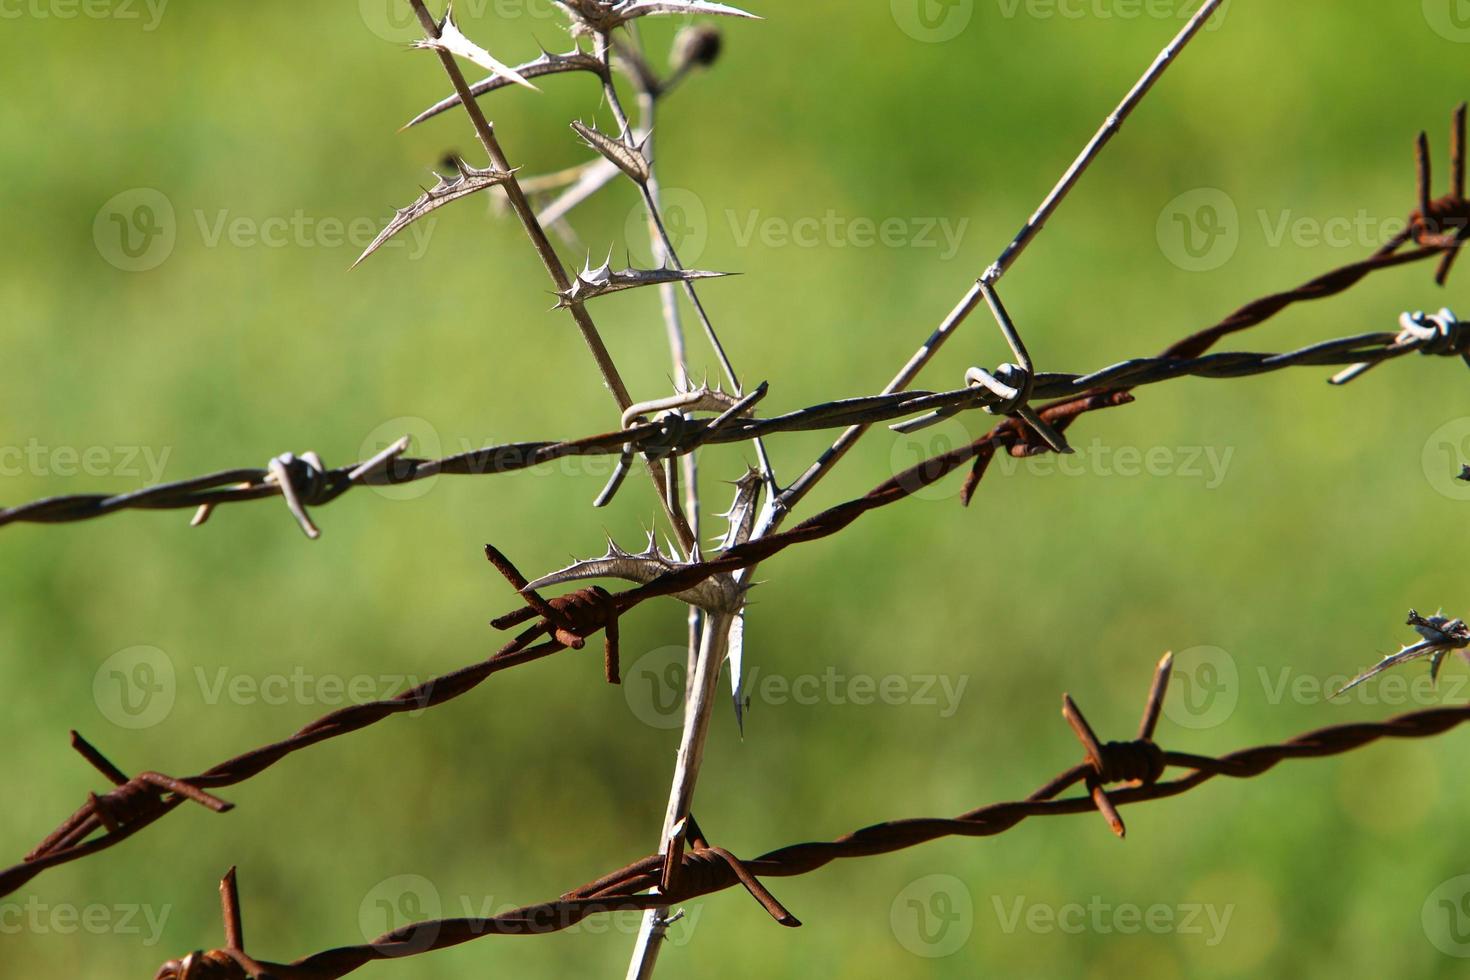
(1304, 558)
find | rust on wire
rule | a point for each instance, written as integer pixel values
(580, 615)
(1111, 775)
(1437, 227)
(677, 435)
(143, 800)
(1139, 765)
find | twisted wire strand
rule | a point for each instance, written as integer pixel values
(709, 870)
(71, 842)
(680, 436)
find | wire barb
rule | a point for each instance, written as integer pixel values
(569, 620)
(703, 869)
(1138, 763)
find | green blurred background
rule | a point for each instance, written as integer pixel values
(1328, 512)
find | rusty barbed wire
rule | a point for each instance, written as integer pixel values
(594, 609)
(136, 803)
(695, 867)
(1139, 765)
(306, 483)
(1438, 226)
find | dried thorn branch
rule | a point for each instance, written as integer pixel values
(604, 280)
(449, 39)
(446, 191)
(1439, 635)
(715, 594)
(739, 557)
(605, 16)
(625, 152)
(642, 176)
(547, 63)
(544, 249)
(712, 636)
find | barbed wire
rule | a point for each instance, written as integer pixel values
(305, 482)
(702, 868)
(693, 867)
(138, 802)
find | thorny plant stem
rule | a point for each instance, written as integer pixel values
(1188, 357)
(655, 922)
(648, 99)
(599, 172)
(771, 520)
(709, 641)
(780, 506)
(80, 828)
(668, 297)
(527, 215)
(673, 321)
(604, 51)
(699, 705)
